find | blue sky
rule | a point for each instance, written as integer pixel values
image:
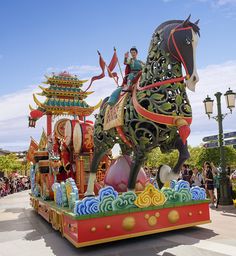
(42, 36)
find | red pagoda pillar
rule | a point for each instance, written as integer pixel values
(49, 124)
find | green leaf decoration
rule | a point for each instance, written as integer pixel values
(188, 108)
(175, 86)
(166, 106)
(178, 100)
(157, 96)
(165, 86)
(182, 86)
(141, 95)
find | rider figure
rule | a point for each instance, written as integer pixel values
(133, 67)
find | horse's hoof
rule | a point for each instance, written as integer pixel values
(159, 183)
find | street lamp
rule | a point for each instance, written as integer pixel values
(230, 99)
(225, 193)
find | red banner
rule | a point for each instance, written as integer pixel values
(102, 65)
(112, 65)
(33, 147)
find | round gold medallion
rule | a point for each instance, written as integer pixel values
(93, 229)
(173, 216)
(128, 223)
(108, 226)
(152, 221)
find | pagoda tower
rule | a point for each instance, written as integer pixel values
(64, 96)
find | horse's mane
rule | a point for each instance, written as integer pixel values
(195, 27)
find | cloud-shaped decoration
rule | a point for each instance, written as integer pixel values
(88, 205)
(186, 196)
(198, 193)
(59, 196)
(124, 201)
(71, 188)
(150, 197)
(105, 204)
(64, 196)
(171, 195)
(107, 191)
(181, 184)
(36, 191)
(173, 183)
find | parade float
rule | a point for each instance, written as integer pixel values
(76, 185)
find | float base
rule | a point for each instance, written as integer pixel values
(111, 226)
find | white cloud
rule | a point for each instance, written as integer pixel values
(225, 2)
(78, 70)
(15, 134)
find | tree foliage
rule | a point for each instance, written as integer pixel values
(9, 163)
(198, 155)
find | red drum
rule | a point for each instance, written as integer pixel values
(59, 128)
(79, 135)
(87, 132)
(77, 138)
(69, 127)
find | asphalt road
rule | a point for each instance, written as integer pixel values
(24, 233)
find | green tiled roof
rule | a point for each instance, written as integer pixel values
(56, 102)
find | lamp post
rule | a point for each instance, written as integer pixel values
(225, 193)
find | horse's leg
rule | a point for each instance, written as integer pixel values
(99, 153)
(139, 158)
(165, 173)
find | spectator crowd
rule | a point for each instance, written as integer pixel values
(208, 177)
(13, 184)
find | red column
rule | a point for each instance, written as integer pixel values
(49, 124)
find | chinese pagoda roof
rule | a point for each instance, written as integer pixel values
(62, 91)
(58, 106)
(64, 78)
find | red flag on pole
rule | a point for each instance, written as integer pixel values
(112, 65)
(102, 65)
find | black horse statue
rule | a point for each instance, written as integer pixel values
(157, 113)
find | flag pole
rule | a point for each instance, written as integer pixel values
(119, 65)
(108, 69)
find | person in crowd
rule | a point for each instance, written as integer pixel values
(209, 185)
(197, 178)
(184, 174)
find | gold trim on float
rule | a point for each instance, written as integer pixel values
(62, 93)
(111, 239)
(37, 101)
(31, 108)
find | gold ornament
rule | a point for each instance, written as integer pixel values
(173, 216)
(93, 229)
(180, 122)
(152, 221)
(128, 223)
(150, 197)
(108, 226)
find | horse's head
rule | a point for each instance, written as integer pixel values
(181, 38)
